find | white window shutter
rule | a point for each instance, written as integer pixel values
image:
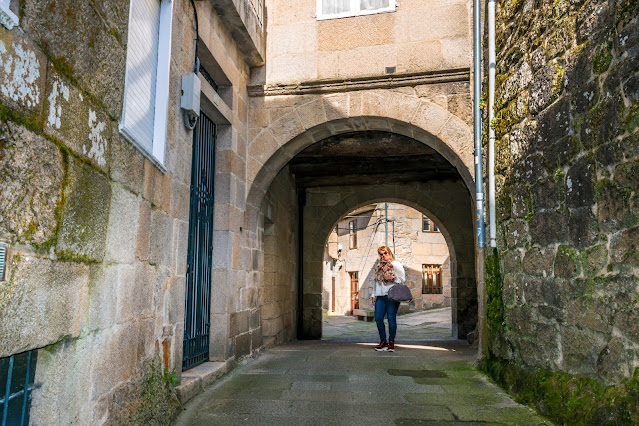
(141, 73)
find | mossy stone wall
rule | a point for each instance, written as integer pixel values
(563, 299)
(97, 234)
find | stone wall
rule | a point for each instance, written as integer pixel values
(278, 296)
(98, 234)
(567, 105)
(301, 48)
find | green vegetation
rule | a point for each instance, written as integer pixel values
(568, 399)
(602, 59)
(153, 403)
(632, 119)
(494, 295)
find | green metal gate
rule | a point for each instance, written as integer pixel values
(200, 248)
(17, 374)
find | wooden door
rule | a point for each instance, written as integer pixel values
(354, 290)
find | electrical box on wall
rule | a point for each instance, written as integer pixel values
(190, 101)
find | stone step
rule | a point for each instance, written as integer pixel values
(196, 379)
(364, 314)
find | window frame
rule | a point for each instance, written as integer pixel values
(432, 226)
(352, 234)
(157, 154)
(392, 5)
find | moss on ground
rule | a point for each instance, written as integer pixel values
(568, 399)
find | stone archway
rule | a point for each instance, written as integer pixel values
(326, 206)
(310, 120)
(307, 120)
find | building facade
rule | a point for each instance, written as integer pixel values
(351, 255)
(137, 241)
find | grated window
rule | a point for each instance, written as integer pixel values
(17, 374)
(3, 261)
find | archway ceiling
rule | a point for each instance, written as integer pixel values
(369, 158)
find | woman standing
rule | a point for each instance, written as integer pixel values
(388, 272)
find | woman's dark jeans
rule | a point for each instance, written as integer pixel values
(384, 306)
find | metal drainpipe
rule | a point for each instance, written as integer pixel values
(301, 202)
(479, 186)
(492, 69)
(479, 179)
(386, 222)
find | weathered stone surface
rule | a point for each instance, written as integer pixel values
(123, 222)
(626, 175)
(548, 227)
(611, 153)
(537, 263)
(581, 227)
(592, 21)
(512, 260)
(538, 291)
(239, 323)
(580, 188)
(42, 302)
(614, 363)
(516, 234)
(85, 214)
(624, 247)
(126, 164)
(626, 320)
(64, 371)
(545, 86)
(24, 69)
(546, 194)
(90, 50)
(32, 173)
(594, 259)
(566, 262)
(572, 175)
(603, 122)
(242, 345)
(73, 119)
(513, 290)
(613, 205)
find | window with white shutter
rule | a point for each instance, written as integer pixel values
(331, 9)
(145, 106)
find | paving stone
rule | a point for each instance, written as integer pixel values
(342, 380)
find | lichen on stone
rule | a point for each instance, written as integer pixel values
(21, 73)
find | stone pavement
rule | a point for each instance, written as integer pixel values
(341, 380)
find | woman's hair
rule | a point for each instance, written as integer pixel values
(390, 252)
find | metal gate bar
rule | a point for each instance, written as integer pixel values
(200, 246)
(17, 413)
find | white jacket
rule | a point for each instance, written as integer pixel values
(381, 289)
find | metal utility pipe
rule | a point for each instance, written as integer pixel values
(479, 185)
(386, 222)
(479, 181)
(301, 202)
(492, 69)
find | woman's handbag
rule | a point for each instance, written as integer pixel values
(400, 293)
